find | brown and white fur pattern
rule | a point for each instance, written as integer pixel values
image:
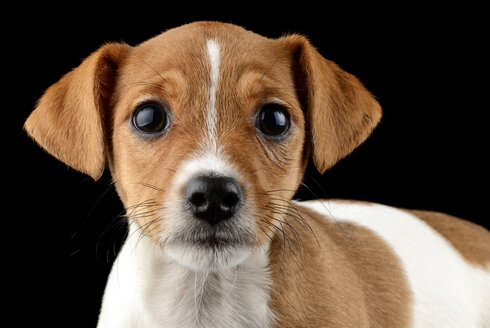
(281, 263)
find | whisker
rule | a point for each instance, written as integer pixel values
(148, 202)
(143, 231)
(118, 227)
(289, 211)
(260, 218)
(144, 228)
(87, 217)
(115, 227)
(318, 184)
(276, 190)
(144, 215)
(296, 214)
(152, 68)
(319, 199)
(285, 235)
(283, 239)
(293, 229)
(265, 233)
(145, 209)
(270, 67)
(149, 186)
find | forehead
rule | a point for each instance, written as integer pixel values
(181, 58)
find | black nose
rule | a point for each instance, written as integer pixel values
(213, 198)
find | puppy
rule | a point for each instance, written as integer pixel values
(207, 129)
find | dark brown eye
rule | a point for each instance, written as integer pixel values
(273, 120)
(151, 118)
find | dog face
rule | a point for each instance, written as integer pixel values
(207, 129)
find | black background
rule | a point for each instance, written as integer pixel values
(425, 66)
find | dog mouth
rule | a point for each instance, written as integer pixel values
(213, 242)
(210, 248)
(214, 237)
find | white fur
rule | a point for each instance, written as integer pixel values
(213, 52)
(448, 292)
(172, 284)
(179, 225)
(147, 289)
(204, 162)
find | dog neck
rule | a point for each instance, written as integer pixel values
(173, 295)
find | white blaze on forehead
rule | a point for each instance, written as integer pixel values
(213, 51)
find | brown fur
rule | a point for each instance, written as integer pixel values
(340, 111)
(182, 83)
(363, 284)
(69, 119)
(472, 241)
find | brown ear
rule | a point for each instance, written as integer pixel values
(340, 112)
(68, 121)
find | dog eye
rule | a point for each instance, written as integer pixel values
(273, 120)
(151, 118)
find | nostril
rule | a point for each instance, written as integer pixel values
(198, 199)
(230, 200)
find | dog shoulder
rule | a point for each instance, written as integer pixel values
(445, 259)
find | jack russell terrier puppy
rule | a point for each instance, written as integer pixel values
(207, 129)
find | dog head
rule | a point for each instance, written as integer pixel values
(207, 129)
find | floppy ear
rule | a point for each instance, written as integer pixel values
(68, 121)
(340, 112)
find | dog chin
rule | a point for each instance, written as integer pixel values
(208, 255)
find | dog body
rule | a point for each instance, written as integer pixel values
(207, 129)
(372, 266)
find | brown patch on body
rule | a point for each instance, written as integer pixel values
(343, 276)
(470, 240)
